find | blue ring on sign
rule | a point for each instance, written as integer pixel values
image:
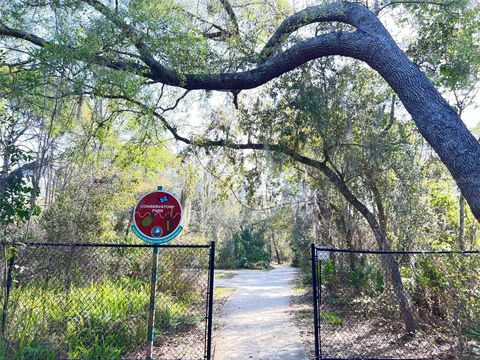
(157, 241)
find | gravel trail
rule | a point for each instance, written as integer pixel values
(256, 323)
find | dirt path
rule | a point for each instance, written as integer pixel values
(256, 323)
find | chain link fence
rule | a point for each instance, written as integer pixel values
(396, 305)
(91, 301)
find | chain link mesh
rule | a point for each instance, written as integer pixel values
(92, 302)
(360, 315)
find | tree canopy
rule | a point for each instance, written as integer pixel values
(99, 45)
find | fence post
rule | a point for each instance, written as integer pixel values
(10, 253)
(153, 297)
(211, 275)
(315, 301)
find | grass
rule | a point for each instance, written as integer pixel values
(223, 293)
(95, 321)
(327, 316)
(331, 317)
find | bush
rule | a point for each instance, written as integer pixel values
(250, 252)
(226, 255)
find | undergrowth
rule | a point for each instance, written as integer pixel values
(95, 321)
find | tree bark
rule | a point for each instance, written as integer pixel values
(275, 247)
(436, 120)
(389, 263)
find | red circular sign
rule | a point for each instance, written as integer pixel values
(157, 217)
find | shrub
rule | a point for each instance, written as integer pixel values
(250, 250)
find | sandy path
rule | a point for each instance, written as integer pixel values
(256, 323)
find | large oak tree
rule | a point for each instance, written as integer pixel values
(139, 50)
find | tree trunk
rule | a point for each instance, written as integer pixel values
(389, 262)
(436, 120)
(352, 259)
(344, 227)
(275, 247)
(186, 203)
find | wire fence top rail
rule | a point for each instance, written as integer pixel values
(407, 252)
(115, 245)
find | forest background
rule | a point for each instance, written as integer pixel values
(77, 150)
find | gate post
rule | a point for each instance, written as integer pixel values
(153, 298)
(211, 274)
(10, 253)
(315, 302)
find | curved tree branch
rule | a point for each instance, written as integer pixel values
(220, 33)
(174, 106)
(391, 118)
(34, 39)
(335, 43)
(436, 120)
(116, 64)
(348, 13)
(348, 44)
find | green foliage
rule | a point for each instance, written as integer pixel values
(359, 276)
(226, 255)
(17, 188)
(100, 320)
(474, 332)
(300, 245)
(430, 275)
(330, 317)
(249, 249)
(114, 323)
(447, 43)
(33, 352)
(366, 276)
(85, 211)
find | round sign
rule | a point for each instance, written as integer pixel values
(157, 217)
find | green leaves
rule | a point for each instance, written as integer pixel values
(447, 45)
(16, 184)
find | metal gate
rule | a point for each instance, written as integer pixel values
(91, 301)
(358, 309)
